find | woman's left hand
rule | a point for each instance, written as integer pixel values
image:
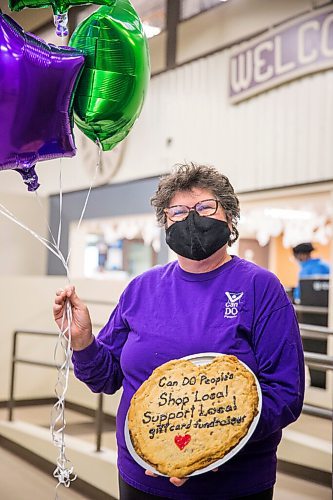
(176, 481)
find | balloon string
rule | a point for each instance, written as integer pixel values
(6, 213)
(60, 204)
(48, 244)
(64, 471)
(44, 217)
(98, 164)
(55, 244)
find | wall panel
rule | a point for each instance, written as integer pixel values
(280, 137)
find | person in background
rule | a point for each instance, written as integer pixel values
(309, 266)
(103, 251)
(205, 301)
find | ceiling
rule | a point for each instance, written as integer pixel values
(28, 18)
(152, 12)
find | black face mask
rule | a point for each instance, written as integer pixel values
(197, 237)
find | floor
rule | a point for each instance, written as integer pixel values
(20, 480)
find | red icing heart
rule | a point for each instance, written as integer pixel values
(182, 441)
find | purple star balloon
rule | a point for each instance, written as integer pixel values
(37, 83)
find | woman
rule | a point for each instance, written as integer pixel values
(205, 301)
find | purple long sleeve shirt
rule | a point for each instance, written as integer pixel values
(167, 313)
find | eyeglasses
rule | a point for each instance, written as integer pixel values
(204, 208)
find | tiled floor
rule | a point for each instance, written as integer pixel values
(20, 480)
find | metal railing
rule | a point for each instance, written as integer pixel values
(314, 331)
(319, 361)
(99, 414)
(19, 360)
(15, 360)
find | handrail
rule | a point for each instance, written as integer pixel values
(323, 330)
(317, 411)
(319, 361)
(15, 360)
(311, 309)
(315, 328)
(11, 401)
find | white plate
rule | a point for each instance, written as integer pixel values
(199, 360)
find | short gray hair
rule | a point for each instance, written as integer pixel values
(187, 176)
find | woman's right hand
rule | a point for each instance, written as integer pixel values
(81, 328)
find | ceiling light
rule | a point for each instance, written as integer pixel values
(288, 213)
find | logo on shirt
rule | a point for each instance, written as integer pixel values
(231, 306)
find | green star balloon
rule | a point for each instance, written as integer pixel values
(111, 91)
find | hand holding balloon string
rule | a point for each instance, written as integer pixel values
(80, 330)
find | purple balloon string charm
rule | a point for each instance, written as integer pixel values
(61, 24)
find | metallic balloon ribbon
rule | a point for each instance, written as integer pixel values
(64, 471)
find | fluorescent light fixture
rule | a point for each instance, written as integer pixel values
(150, 30)
(288, 213)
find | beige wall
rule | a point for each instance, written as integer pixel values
(20, 252)
(232, 21)
(223, 25)
(26, 304)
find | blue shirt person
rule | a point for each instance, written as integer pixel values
(308, 265)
